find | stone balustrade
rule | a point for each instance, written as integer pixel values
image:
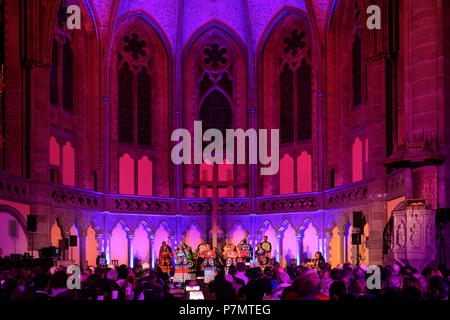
(17, 189)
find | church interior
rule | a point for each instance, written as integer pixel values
(86, 117)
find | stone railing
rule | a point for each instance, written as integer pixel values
(140, 204)
(67, 197)
(225, 206)
(288, 203)
(354, 194)
(14, 188)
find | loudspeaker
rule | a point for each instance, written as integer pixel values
(356, 238)
(358, 219)
(31, 223)
(73, 241)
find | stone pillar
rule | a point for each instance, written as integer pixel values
(343, 246)
(83, 250)
(151, 239)
(108, 248)
(279, 253)
(299, 248)
(130, 238)
(326, 245)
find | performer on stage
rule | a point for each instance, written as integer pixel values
(165, 257)
(318, 260)
(190, 260)
(248, 249)
(226, 247)
(261, 257)
(242, 254)
(181, 265)
(210, 263)
(201, 249)
(267, 246)
(231, 258)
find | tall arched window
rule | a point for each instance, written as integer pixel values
(144, 107)
(356, 71)
(61, 77)
(304, 105)
(134, 90)
(54, 74)
(286, 104)
(67, 76)
(216, 94)
(295, 86)
(125, 104)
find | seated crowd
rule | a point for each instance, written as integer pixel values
(343, 283)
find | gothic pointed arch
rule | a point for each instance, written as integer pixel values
(289, 52)
(139, 83)
(215, 92)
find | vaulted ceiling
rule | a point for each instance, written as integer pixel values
(180, 19)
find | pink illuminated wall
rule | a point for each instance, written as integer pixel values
(357, 157)
(68, 165)
(193, 236)
(304, 173)
(237, 234)
(91, 247)
(226, 174)
(55, 234)
(54, 152)
(126, 174)
(161, 235)
(310, 242)
(289, 245)
(206, 174)
(145, 174)
(119, 245)
(74, 252)
(349, 245)
(334, 248)
(286, 175)
(11, 244)
(141, 244)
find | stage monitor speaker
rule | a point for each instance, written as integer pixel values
(356, 238)
(358, 219)
(31, 223)
(73, 241)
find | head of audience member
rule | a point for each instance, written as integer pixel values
(338, 290)
(240, 267)
(112, 275)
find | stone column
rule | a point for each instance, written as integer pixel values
(299, 248)
(326, 245)
(152, 259)
(343, 246)
(83, 250)
(130, 238)
(279, 248)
